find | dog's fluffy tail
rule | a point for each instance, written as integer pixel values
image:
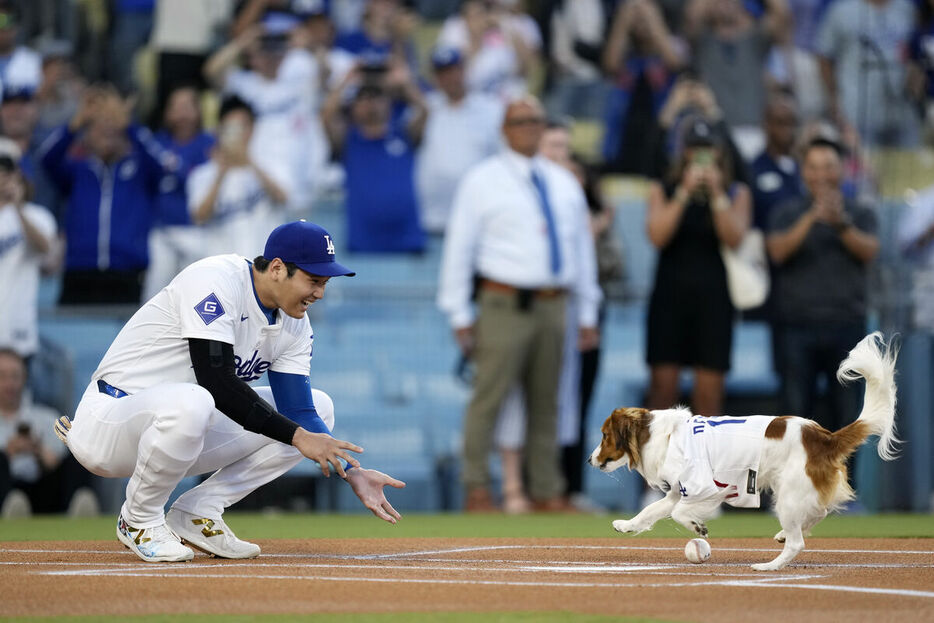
(873, 361)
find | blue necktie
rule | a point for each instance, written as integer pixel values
(539, 184)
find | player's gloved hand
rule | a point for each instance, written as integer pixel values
(325, 449)
(368, 485)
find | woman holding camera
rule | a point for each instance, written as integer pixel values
(690, 319)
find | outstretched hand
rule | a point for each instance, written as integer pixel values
(368, 485)
(325, 450)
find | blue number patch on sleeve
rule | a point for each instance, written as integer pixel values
(210, 309)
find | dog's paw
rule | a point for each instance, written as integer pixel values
(767, 566)
(699, 528)
(780, 536)
(624, 526)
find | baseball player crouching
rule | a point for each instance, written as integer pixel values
(170, 398)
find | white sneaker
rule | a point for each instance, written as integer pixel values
(211, 536)
(157, 544)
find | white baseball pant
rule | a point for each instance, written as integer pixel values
(165, 433)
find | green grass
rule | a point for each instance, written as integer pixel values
(397, 617)
(310, 526)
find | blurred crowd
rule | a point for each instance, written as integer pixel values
(137, 136)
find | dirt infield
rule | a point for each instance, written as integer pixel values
(834, 580)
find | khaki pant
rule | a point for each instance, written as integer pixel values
(512, 346)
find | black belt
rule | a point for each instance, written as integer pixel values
(110, 390)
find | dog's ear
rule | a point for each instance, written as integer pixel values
(631, 431)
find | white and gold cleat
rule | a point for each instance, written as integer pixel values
(156, 544)
(210, 535)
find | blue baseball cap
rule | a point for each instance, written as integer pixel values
(21, 92)
(279, 23)
(306, 245)
(444, 57)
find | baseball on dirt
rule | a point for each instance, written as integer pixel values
(697, 551)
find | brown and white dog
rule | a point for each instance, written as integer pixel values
(802, 463)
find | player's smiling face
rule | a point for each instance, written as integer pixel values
(298, 292)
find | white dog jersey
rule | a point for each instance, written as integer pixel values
(212, 299)
(716, 457)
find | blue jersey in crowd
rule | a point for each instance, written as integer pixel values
(382, 211)
(773, 182)
(172, 201)
(109, 207)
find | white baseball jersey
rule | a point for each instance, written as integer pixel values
(19, 277)
(243, 213)
(212, 299)
(717, 456)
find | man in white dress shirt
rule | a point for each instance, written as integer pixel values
(519, 225)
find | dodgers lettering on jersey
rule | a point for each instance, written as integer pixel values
(9, 242)
(251, 369)
(212, 299)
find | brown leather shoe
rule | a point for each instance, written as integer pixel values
(558, 504)
(479, 500)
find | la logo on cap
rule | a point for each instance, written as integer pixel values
(330, 244)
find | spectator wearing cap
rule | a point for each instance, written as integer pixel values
(690, 316)
(519, 230)
(281, 85)
(20, 66)
(19, 116)
(822, 245)
(232, 196)
(174, 241)
(27, 232)
(110, 178)
(376, 145)
(462, 129)
(730, 42)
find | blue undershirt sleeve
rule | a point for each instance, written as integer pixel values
(292, 393)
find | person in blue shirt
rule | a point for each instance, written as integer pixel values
(376, 143)
(174, 241)
(775, 175)
(110, 178)
(776, 180)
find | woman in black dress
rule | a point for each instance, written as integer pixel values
(690, 320)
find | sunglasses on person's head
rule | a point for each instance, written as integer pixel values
(525, 121)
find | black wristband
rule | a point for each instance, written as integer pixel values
(280, 428)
